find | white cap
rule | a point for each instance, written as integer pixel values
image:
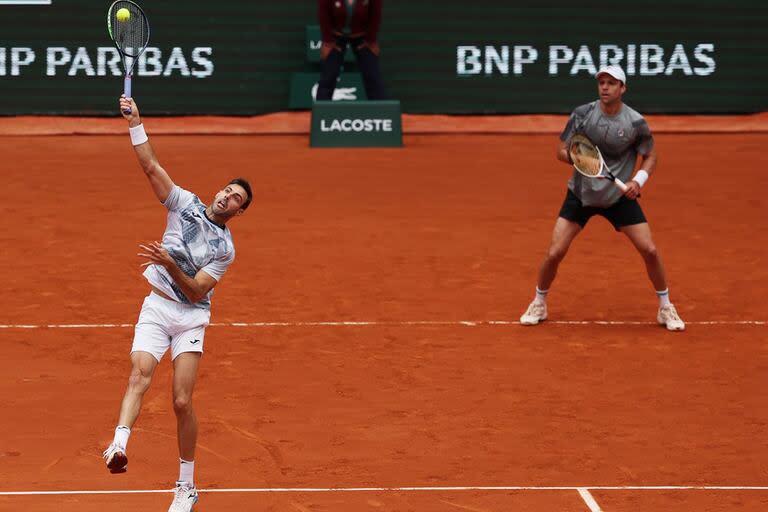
(615, 71)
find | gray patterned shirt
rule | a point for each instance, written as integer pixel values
(194, 242)
(620, 138)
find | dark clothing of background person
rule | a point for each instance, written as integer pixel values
(361, 31)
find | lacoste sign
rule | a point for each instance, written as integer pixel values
(356, 124)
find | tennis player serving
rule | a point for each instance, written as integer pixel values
(624, 140)
(182, 271)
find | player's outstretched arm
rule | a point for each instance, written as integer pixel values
(159, 180)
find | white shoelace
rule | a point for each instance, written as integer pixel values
(182, 495)
(672, 312)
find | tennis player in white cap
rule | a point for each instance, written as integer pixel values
(626, 143)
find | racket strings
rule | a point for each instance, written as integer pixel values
(130, 36)
(585, 157)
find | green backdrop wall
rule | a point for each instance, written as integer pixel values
(447, 56)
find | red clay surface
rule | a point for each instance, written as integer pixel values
(449, 228)
(295, 123)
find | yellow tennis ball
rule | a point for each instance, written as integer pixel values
(123, 14)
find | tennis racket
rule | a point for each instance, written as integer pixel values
(129, 30)
(588, 160)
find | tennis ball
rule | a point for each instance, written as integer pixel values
(123, 14)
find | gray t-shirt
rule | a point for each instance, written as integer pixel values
(620, 138)
(194, 242)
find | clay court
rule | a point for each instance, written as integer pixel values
(365, 352)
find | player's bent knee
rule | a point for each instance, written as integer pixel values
(556, 254)
(182, 404)
(138, 381)
(649, 252)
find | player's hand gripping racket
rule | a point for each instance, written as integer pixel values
(588, 160)
(129, 30)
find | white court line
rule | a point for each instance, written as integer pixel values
(414, 489)
(589, 500)
(416, 323)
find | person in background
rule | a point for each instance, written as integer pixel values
(355, 23)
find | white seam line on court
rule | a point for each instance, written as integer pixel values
(589, 500)
(411, 489)
(422, 323)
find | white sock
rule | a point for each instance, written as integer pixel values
(663, 297)
(187, 471)
(541, 295)
(122, 433)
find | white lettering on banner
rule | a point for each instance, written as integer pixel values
(649, 59)
(150, 63)
(356, 125)
(106, 60)
(584, 62)
(176, 61)
(472, 60)
(57, 56)
(108, 57)
(19, 57)
(706, 59)
(631, 59)
(610, 54)
(81, 62)
(679, 60)
(200, 57)
(559, 54)
(493, 59)
(523, 55)
(468, 60)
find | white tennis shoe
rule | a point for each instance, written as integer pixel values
(184, 497)
(536, 312)
(668, 317)
(115, 458)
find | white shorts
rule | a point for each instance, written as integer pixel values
(166, 323)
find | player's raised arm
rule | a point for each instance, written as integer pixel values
(159, 180)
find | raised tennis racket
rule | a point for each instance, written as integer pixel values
(588, 160)
(129, 30)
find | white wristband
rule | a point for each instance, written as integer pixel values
(138, 135)
(640, 177)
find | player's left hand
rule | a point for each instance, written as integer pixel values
(156, 255)
(633, 190)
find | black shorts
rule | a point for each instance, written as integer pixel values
(624, 212)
